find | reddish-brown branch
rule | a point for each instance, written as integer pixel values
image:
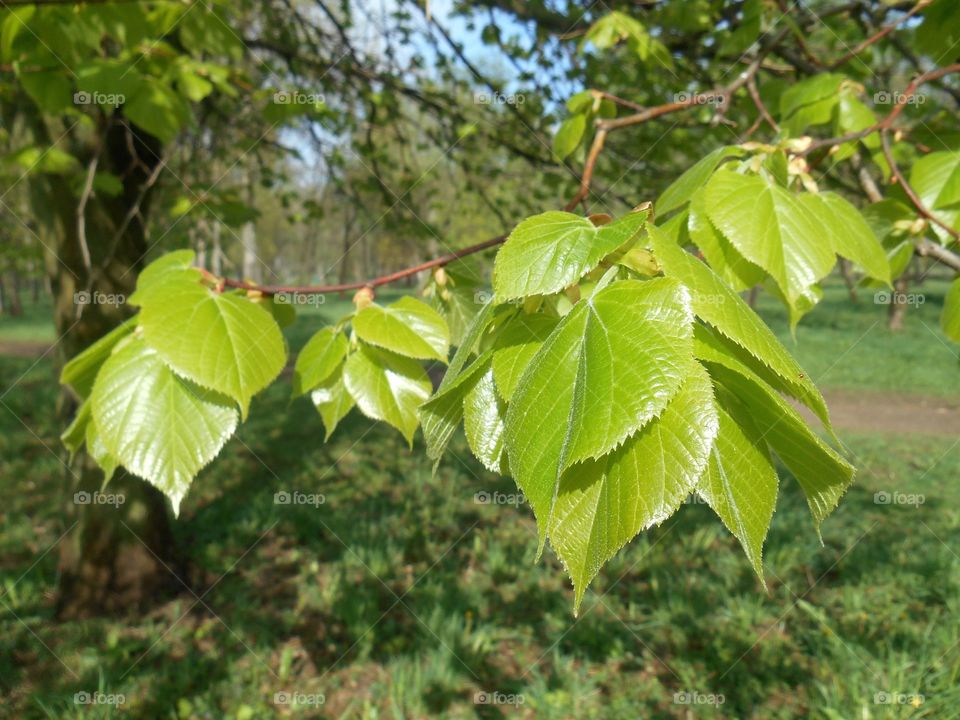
(885, 123)
(588, 167)
(372, 283)
(721, 96)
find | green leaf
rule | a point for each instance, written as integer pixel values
(548, 252)
(318, 360)
(158, 109)
(80, 372)
(74, 437)
(107, 82)
(159, 426)
(514, 347)
(810, 102)
(603, 504)
(569, 136)
(771, 228)
(939, 35)
(850, 235)
(936, 180)
(740, 485)
(483, 413)
(823, 475)
(15, 22)
(221, 341)
(332, 400)
(724, 258)
(950, 320)
(51, 90)
(408, 327)
(442, 413)
(715, 303)
(684, 187)
(99, 453)
(581, 102)
(387, 387)
(179, 262)
(610, 367)
(853, 116)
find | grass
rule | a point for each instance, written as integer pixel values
(401, 596)
(848, 345)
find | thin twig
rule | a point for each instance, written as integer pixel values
(909, 191)
(373, 283)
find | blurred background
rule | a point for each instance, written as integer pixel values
(295, 141)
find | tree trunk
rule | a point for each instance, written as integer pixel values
(898, 303)
(115, 559)
(848, 279)
(248, 238)
(216, 253)
(14, 306)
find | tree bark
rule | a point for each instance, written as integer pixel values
(14, 306)
(116, 559)
(898, 303)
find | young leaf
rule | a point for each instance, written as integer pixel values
(715, 303)
(547, 252)
(332, 400)
(81, 371)
(610, 367)
(408, 327)
(514, 347)
(218, 340)
(159, 426)
(850, 235)
(684, 187)
(771, 228)
(823, 475)
(569, 135)
(950, 319)
(740, 485)
(723, 257)
(603, 504)
(387, 387)
(320, 357)
(483, 412)
(442, 413)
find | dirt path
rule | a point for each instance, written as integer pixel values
(857, 411)
(897, 413)
(23, 348)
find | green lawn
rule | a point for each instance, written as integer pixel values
(401, 596)
(848, 345)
